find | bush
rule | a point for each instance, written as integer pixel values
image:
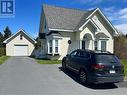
(2, 51)
(3, 59)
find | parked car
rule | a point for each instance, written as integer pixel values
(94, 66)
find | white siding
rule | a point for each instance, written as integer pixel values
(100, 22)
(17, 41)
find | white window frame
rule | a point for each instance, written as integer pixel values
(56, 46)
(105, 45)
(50, 46)
(53, 45)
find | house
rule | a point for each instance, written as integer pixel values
(19, 44)
(63, 30)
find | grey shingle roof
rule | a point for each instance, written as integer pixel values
(83, 19)
(64, 18)
(101, 35)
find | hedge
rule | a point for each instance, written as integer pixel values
(2, 51)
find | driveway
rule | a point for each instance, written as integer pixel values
(23, 76)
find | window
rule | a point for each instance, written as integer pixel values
(107, 58)
(103, 45)
(95, 45)
(20, 37)
(50, 46)
(53, 47)
(56, 46)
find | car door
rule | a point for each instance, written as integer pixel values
(83, 59)
(72, 59)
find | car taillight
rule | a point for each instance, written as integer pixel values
(98, 66)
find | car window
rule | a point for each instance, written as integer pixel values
(107, 58)
(83, 54)
(74, 53)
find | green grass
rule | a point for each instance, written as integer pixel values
(48, 61)
(3, 59)
(124, 62)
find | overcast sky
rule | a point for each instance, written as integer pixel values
(28, 13)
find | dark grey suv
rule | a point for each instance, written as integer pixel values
(94, 66)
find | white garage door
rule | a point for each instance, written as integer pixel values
(20, 50)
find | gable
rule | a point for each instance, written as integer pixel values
(102, 25)
(101, 22)
(16, 38)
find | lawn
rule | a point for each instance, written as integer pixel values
(40, 61)
(3, 59)
(124, 62)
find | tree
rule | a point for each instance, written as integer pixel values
(1, 40)
(1, 37)
(38, 45)
(7, 33)
(120, 46)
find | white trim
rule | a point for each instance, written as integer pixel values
(20, 30)
(97, 9)
(84, 24)
(59, 50)
(92, 13)
(57, 45)
(98, 28)
(50, 46)
(105, 45)
(66, 30)
(53, 45)
(89, 20)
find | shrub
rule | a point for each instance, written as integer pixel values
(2, 51)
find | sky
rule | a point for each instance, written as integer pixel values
(28, 12)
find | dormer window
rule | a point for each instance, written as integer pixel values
(20, 37)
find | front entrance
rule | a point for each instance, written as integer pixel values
(83, 45)
(87, 42)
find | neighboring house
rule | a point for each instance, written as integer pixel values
(19, 44)
(63, 30)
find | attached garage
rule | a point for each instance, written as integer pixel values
(20, 44)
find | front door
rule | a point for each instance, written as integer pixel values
(83, 45)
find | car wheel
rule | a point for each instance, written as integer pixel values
(83, 76)
(63, 65)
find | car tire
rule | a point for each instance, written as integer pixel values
(63, 65)
(83, 76)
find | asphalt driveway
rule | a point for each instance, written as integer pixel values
(23, 76)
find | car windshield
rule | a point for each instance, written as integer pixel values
(104, 58)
